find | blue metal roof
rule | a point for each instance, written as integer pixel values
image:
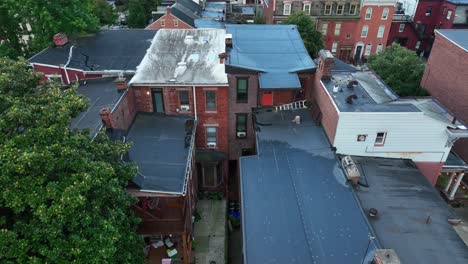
(270, 49)
(458, 36)
(208, 23)
(296, 204)
(282, 80)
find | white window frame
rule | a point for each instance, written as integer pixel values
(379, 48)
(286, 9)
(163, 23)
(368, 49)
(176, 23)
(368, 13)
(337, 30)
(325, 9)
(348, 36)
(355, 9)
(366, 31)
(385, 13)
(209, 139)
(306, 10)
(54, 77)
(334, 47)
(380, 139)
(449, 14)
(418, 44)
(342, 9)
(381, 31)
(402, 27)
(324, 29)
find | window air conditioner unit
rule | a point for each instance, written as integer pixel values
(211, 145)
(241, 134)
(184, 107)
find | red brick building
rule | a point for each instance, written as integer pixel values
(446, 76)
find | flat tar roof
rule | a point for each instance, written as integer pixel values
(405, 200)
(102, 93)
(159, 150)
(183, 57)
(458, 36)
(296, 204)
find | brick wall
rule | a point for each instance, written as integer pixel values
(237, 144)
(430, 169)
(170, 21)
(124, 114)
(445, 78)
(73, 75)
(143, 99)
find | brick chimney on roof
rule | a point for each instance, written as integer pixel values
(106, 118)
(60, 39)
(325, 65)
(168, 10)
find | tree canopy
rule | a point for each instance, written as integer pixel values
(63, 196)
(307, 28)
(400, 68)
(139, 12)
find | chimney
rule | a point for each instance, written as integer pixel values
(386, 256)
(326, 60)
(228, 40)
(121, 83)
(60, 39)
(168, 10)
(105, 114)
(222, 57)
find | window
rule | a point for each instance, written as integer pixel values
(287, 9)
(368, 13)
(379, 48)
(324, 29)
(401, 28)
(54, 78)
(334, 47)
(241, 125)
(385, 13)
(348, 36)
(380, 139)
(176, 23)
(367, 52)
(352, 9)
(337, 29)
(212, 174)
(183, 98)
(340, 9)
(428, 10)
(163, 23)
(306, 9)
(210, 97)
(242, 89)
(381, 31)
(328, 9)
(365, 29)
(418, 43)
(449, 14)
(211, 136)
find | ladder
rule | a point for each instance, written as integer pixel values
(291, 106)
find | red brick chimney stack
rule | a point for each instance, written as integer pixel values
(121, 83)
(106, 117)
(60, 39)
(168, 10)
(325, 66)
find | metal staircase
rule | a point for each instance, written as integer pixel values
(291, 106)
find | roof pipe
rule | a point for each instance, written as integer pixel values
(70, 54)
(194, 102)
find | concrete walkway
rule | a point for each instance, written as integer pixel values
(210, 232)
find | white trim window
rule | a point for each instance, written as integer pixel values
(324, 29)
(368, 13)
(287, 9)
(418, 43)
(381, 32)
(306, 9)
(334, 47)
(368, 50)
(385, 13)
(379, 48)
(163, 23)
(365, 30)
(176, 23)
(380, 138)
(401, 28)
(211, 136)
(352, 9)
(340, 9)
(449, 14)
(54, 78)
(328, 9)
(337, 29)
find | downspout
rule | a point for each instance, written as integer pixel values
(70, 54)
(194, 102)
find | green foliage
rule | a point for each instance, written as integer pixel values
(307, 28)
(139, 12)
(104, 12)
(401, 69)
(9, 31)
(63, 196)
(235, 222)
(259, 20)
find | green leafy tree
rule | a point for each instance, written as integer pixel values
(307, 28)
(10, 32)
(63, 196)
(104, 12)
(139, 12)
(400, 68)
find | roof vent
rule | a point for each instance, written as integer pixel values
(336, 89)
(350, 98)
(60, 39)
(352, 171)
(189, 40)
(352, 84)
(372, 213)
(228, 39)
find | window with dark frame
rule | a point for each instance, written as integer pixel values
(242, 90)
(184, 98)
(428, 10)
(210, 97)
(241, 125)
(380, 138)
